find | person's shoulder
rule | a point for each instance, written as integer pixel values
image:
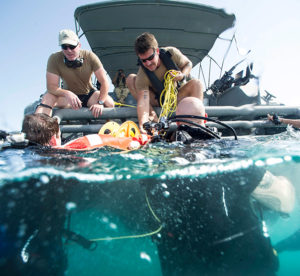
(170, 49)
(142, 80)
(56, 55)
(140, 73)
(88, 53)
(55, 61)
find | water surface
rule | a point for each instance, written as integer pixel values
(163, 191)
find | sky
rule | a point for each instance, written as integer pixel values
(29, 33)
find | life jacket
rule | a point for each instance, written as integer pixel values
(165, 57)
(94, 141)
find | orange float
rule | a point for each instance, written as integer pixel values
(94, 141)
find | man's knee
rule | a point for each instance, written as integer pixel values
(195, 88)
(196, 84)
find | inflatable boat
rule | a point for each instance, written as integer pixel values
(111, 27)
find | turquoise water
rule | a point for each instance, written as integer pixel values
(104, 194)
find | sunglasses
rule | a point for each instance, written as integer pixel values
(148, 58)
(66, 46)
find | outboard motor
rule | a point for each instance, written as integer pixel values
(232, 91)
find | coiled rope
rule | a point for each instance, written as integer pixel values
(169, 94)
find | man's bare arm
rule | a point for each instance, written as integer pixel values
(184, 71)
(143, 108)
(295, 123)
(102, 78)
(54, 88)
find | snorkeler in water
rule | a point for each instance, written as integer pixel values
(44, 130)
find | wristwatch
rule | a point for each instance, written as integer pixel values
(101, 102)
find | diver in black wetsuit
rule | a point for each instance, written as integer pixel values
(210, 227)
(32, 218)
(213, 225)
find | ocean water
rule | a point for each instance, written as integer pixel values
(182, 209)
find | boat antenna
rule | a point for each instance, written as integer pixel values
(209, 73)
(229, 46)
(227, 51)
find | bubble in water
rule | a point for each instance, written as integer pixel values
(44, 179)
(105, 219)
(166, 194)
(164, 185)
(113, 226)
(145, 256)
(70, 206)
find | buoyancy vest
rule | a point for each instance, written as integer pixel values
(94, 141)
(165, 57)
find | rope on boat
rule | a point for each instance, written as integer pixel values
(120, 104)
(169, 94)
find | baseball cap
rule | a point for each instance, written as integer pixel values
(67, 37)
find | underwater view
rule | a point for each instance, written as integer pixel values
(166, 209)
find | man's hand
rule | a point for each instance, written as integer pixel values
(142, 130)
(96, 110)
(275, 119)
(178, 75)
(73, 100)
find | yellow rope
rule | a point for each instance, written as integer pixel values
(170, 94)
(120, 104)
(135, 236)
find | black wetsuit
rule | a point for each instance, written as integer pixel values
(32, 218)
(210, 227)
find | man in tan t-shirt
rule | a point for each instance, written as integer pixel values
(75, 68)
(154, 62)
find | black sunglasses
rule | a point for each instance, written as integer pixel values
(149, 58)
(66, 46)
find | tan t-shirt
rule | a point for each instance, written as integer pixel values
(77, 80)
(142, 80)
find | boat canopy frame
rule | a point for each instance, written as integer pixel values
(111, 28)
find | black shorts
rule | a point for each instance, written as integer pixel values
(85, 98)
